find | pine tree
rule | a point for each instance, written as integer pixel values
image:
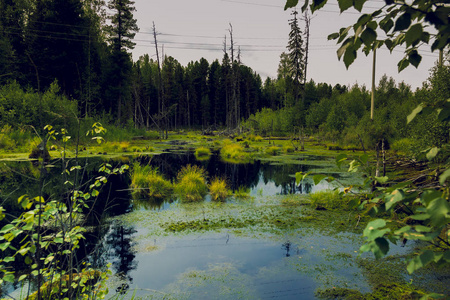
(296, 52)
(121, 33)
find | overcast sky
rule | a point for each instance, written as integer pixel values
(191, 29)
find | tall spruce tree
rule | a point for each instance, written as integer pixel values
(296, 53)
(121, 33)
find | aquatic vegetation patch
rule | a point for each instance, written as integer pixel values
(329, 199)
(216, 281)
(242, 193)
(382, 291)
(147, 181)
(191, 183)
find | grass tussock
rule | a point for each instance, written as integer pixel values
(234, 152)
(219, 189)
(191, 184)
(273, 150)
(147, 180)
(202, 152)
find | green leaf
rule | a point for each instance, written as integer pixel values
(58, 240)
(444, 114)
(340, 159)
(382, 247)
(358, 4)
(9, 278)
(372, 229)
(402, 64)
(439, 210)
(444, 176)
(9, 259)
(386, 24)
(349, 57)
(333, 36)
(414, 34)
(414, 58)
(290, 4)
(382, 180)
(403, 22)
(345, 4)
(395, 197)
(318, 178)
(432, 153)
(317, 4)
(22, 277)
(368, 36)
(414, 113)
(420, 261)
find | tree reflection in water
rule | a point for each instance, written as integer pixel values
(120, 245)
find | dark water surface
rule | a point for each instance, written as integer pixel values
(228, 264)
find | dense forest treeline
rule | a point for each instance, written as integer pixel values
(65, 60)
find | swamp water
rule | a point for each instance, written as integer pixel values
(270, 245)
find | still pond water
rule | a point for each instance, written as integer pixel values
(245, 257)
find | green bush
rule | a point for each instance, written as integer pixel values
(191, 184)
(147, 180)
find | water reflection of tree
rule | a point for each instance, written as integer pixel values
(120, 244)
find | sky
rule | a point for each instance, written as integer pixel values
(191, 29)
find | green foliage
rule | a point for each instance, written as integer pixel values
(191, 184)
(218, 189)
(19, 108)
(405, 25)
(47, 233)
(147, 181)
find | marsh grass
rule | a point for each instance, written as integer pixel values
(202, 152)
(242, 193)
(191, 184)
(329, 199)
(218, 189)
(234, 153)
(147, 180)
(273, 150)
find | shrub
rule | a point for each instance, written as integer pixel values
(191, 184)
(148, 181)
(405, 146)
(219, 189)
